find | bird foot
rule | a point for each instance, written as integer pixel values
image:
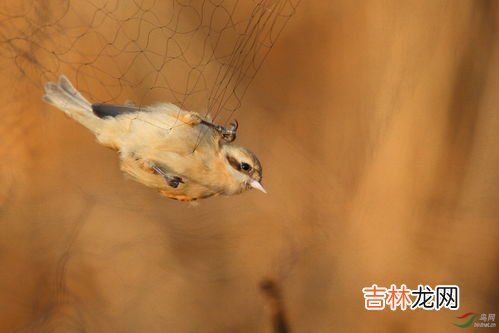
(227, 133)
(173, 181)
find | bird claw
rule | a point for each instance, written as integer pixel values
(173, 181)
(227, 133)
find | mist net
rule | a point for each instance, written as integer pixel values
(201, 55)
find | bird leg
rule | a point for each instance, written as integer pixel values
(227, 133)
(173, 181)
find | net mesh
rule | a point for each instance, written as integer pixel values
(200, 55)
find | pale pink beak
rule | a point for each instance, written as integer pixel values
(257, 185)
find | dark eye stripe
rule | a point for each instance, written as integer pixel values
(234, 163)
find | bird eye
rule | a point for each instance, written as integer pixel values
(245, 166)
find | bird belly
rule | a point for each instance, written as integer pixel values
(188, 190)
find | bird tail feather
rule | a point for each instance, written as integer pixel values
(67, 99)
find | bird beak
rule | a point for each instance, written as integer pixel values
(255, 184)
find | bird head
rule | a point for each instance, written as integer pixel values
(244, 166)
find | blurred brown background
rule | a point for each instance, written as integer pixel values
(377, 125)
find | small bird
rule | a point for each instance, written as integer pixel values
(182, 154)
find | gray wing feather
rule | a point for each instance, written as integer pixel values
(109, 110)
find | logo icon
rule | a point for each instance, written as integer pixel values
(468, 322)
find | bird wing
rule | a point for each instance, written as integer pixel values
(161, 128)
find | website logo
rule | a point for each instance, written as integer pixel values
(486, 320)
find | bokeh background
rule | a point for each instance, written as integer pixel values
(377, 126)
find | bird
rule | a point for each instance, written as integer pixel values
(182, 154)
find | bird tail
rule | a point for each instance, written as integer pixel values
(66, 98)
